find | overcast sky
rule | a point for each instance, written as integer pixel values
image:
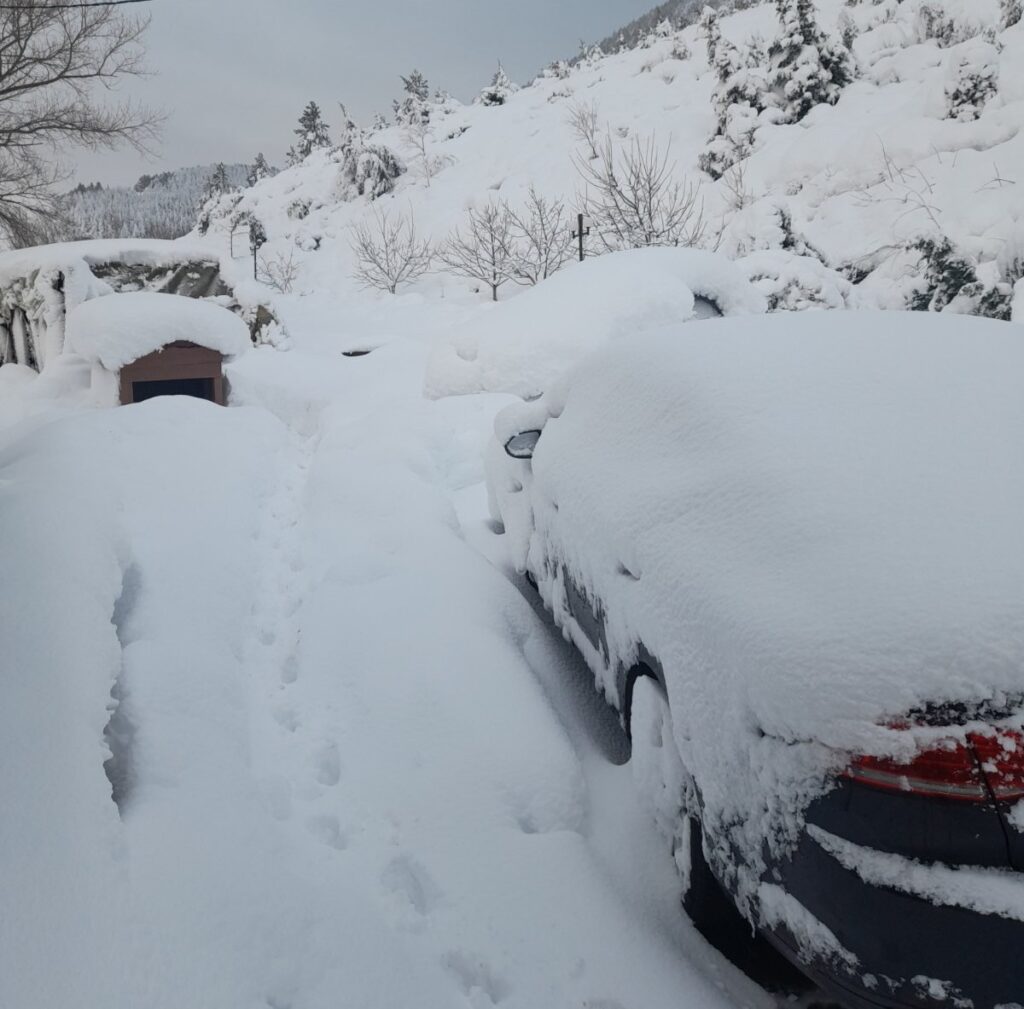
(233, 75)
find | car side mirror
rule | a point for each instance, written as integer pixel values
(522, 445)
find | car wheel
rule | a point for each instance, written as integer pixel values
(662, 779)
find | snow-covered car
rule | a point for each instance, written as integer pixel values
(790, 549)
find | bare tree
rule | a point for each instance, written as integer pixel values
(584, 122)
(54, 60)
(389, 253)
(541, 239)
(416, 133)
(737, 192)
(280, 270)
(484, 251)
(634, 199)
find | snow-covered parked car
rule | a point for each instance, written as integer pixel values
(791, 550)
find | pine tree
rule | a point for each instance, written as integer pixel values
(218, 183)
(740, 96)
(414, 105)
(1012, 11)
(948, 272)
(258, 170)
(312, 134)
(499, 90)
(807, 69)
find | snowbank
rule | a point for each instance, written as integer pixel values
(523, 345)
(814, 522)
(118, 329)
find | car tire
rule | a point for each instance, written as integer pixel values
(661, 778)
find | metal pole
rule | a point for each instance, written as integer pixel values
(581, 233)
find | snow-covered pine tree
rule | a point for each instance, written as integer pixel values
(740, 96)
(312, 133)
(218, 183)
(414, 105)
(972, 80)
(499, 90)
(258, 170)
(947, 272)
(1012, 12)
(366, 169)
(807, 68)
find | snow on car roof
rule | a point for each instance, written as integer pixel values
(120, 328)
(813, 520)
(522, 346)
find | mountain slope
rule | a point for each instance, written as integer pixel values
(160, 206)
(885, 186)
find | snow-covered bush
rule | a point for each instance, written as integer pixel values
(950, 282)
(499, 90)
(795, 283)
(972, 80)
(365, 169)
(806, 67)
(935, 22)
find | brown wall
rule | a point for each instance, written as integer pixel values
(176, 361)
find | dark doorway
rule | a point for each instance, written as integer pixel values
(201, 388)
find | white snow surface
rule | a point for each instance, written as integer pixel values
(523, 346)
(354, 765)
(120, 328)
(811, 519)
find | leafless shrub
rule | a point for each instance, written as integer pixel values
(389, 252)
(584, 121)
(737, 192)
(634, 198)
(279, 270)
(417, 135)
(483, 251)
(541, 239)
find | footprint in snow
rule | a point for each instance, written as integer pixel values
(479, 983)
(327, 764)
(407, 879)
(328, 830)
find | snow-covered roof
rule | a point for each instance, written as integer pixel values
(18, 263)
(120, 328)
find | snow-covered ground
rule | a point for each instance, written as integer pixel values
(352, 764)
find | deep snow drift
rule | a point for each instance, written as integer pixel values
(330, 723)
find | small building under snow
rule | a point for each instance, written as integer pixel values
(143, 345)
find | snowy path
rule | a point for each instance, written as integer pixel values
(355, 766)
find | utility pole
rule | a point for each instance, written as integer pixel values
(581, 233)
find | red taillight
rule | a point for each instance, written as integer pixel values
(988, 767)
(1001, 755)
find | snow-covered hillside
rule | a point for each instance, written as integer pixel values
(908, 185)
(157, 206)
